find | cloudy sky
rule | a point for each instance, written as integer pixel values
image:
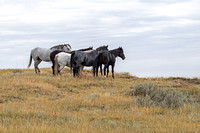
(159, 37)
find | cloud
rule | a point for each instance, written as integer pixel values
(162, 32)
(176, 9)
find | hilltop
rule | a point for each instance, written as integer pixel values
(44, 103)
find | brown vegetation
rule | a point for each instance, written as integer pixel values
(44, 103)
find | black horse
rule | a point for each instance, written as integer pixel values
(54, 53)
(79, 58)
(107, 58)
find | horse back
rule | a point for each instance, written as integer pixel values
(105, 57)
(63, 58)
(41, 53)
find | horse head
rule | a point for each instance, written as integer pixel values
(62, 47)
(67, 47)
(102, 48)
(121, 53)
(91, 48)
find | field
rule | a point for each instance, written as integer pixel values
(44, 103)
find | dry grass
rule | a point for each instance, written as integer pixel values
(44, 103)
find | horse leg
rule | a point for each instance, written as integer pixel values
(78, 70)
(35, 70)
(101, 69)
(81, 69)
(36, 63)
(113, 70)
(107, 70)
(60, 68)
(74, 71)
(59, 72)
(35, 66)
(97, 68)
(94, 69)
(53, 69)
(38, 68)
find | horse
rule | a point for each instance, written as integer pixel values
(108, 58)
(43, 54)
(62, 59)
(79, 58)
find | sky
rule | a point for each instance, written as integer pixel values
(160, 38)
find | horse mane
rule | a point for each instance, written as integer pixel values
(60, 46)
(85, 49)
(102, 48)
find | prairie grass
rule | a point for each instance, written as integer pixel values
(43, 103)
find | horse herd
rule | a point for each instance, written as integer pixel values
(62, 55)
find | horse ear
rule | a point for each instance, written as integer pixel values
(107, 46)
(120, 47)
(69, 45)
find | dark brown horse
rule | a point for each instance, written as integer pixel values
(81, 58)
(54, 53)
(107, 58)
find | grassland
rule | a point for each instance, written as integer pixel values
(44, 103)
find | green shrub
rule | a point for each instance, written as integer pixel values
(148, 95)
(142, 89)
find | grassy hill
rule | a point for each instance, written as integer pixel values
(44, 103)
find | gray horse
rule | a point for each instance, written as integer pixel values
(43, 54)
(81, 58)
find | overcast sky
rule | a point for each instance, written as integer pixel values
(160, 38)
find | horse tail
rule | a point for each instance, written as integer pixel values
(56, 64)
(95, 64)
(97, 59)
(71, 60)
(30, 60)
